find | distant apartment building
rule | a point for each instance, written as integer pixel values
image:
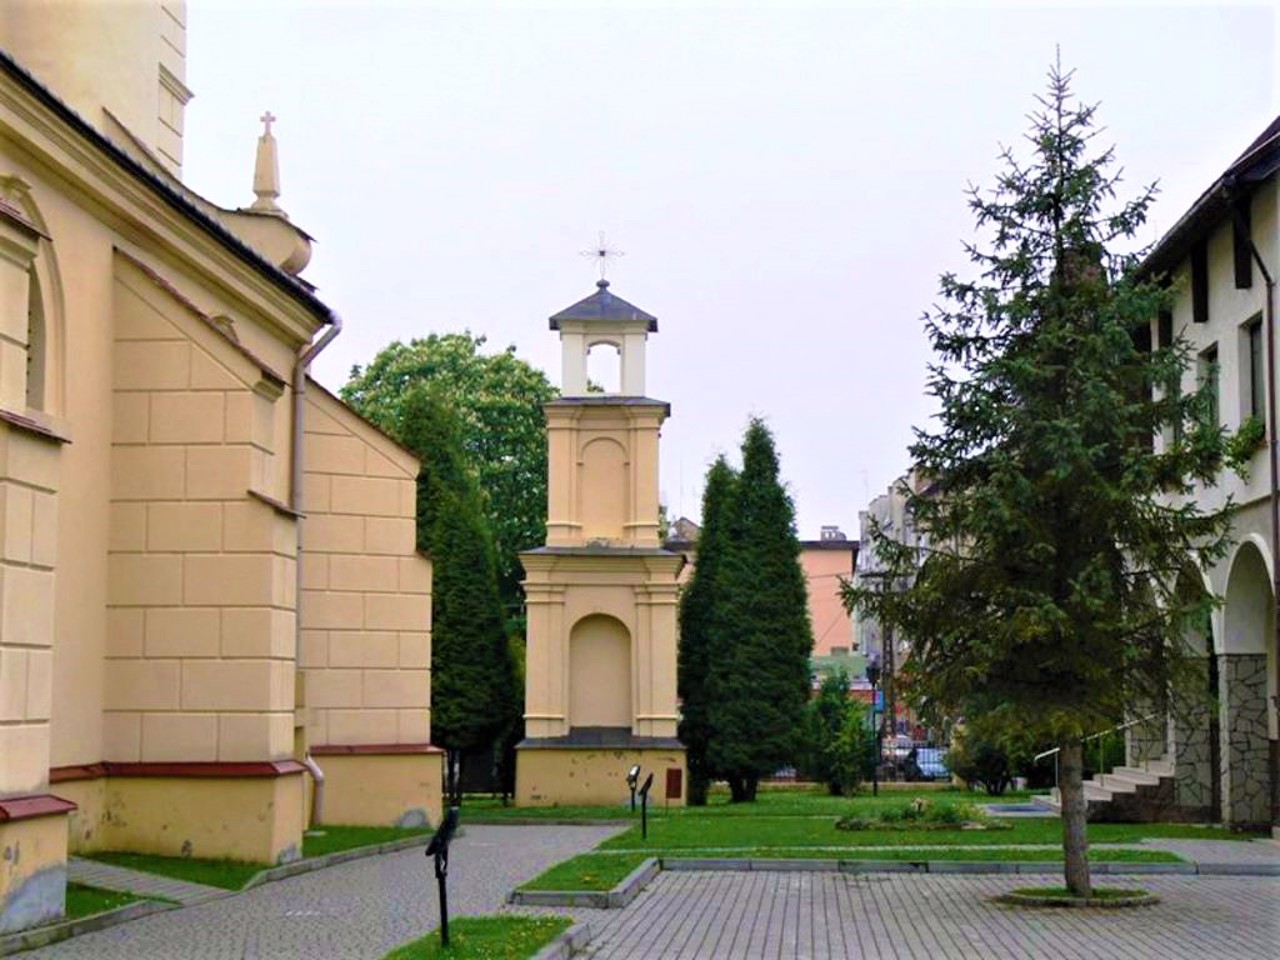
(824, 561)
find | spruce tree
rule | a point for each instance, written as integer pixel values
(699, 609)
(761, 639)
(1058, 530)
(473, 699)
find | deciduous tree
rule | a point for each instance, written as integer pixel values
(497, 398)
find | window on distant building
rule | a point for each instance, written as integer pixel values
(1200, 282)
(1207, 380)
(1257, 397)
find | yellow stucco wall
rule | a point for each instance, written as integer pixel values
(33, 871)
(258, 819)
(200, 622)
(366, 593)
(548, 777)
(640, 593)
(383, 790)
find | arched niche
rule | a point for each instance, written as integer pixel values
(599, 673)
(1248, 607)
(603, 489)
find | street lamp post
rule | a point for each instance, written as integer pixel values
(873, 677)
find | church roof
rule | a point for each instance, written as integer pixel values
(603, 305)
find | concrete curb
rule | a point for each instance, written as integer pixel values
(55, 933)
(546, 822)
(298, 867)
(955, 867)
(614, 899)
(1015, 899)
(574, 940)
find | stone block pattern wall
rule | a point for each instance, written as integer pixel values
(366, 593)
(1246, 788)
(28, 547)
(1193, 750)
(200, 653)
(1147, 740)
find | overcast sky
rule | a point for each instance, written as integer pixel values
(787, 181)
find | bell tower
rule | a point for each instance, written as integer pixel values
(600, 689)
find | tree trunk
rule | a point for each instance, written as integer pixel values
(1075, 844)
(753, 781)
(453, 777)
(698, 786)
(738, 789)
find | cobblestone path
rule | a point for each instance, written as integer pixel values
(353, 911)
(816, 916)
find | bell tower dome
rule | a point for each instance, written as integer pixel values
(603, 318)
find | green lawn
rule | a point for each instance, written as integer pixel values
(604, 871)
(227, 874)
(486, 938)
(590, 871)
(234, 874)
(334, 839)
(85, 901)
(710, 832)
(776, 801)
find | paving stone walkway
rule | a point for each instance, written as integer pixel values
(816, 916)
(110, 877)
(353, 911)
(362, 909)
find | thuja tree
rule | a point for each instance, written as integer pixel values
(701, 615)
(1057, 528)
(758, 679)
(474, 695)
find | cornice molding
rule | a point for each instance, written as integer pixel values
(142, 213)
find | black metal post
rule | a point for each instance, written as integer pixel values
(442, 871)
(644, 807)
(439, 849)
(873, 676)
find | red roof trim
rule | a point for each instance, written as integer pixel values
(28, 808)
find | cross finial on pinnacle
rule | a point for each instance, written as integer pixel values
(603, 254)
(267, 119)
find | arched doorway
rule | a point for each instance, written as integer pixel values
(599, 673)
(1246, 686)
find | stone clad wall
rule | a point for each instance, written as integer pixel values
(1246, 789)
(1193, 750)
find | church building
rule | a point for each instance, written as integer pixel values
(210, 598)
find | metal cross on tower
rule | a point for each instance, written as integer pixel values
(267, 118)
(603, 254)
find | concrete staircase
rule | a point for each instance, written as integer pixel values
(1143, 794)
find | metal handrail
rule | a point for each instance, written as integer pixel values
(1094, 736)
